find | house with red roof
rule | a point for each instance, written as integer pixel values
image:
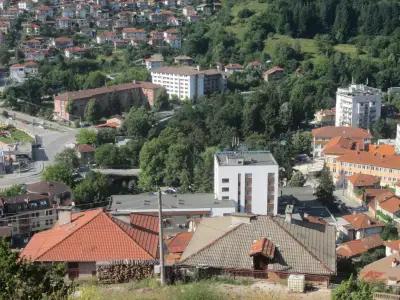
(85, 240)
(176, 246)
(358, 225)
(392, 247)
(356, 248)
(358, 183)
(273, 73)
(385, 270)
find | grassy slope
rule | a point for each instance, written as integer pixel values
(16, 136)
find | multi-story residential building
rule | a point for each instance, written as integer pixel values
(250, 178)
(71, 105)
(188, 82)
(27, 214)
(322, 136)
(106, 37)
(154, 62)
(358, 106)
(325, 117)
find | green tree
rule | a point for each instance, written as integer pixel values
(14, 190)
(94, 80)
(162, 101)
(131, 151)
(138, 122)
(353, 289)
(390, 232)
(68, 157)
(92, 112)
(86, 136)
(108, 156)
(325, 188)
(204, 171)
(20, 279)
(106, 135)
(301, 142)
(297, 180)
(92, 191)
(59, 172)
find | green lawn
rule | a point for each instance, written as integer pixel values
(15, 136)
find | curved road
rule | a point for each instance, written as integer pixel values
(53, 142)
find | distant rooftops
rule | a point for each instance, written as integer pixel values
(149, 202)
(238, 158)
(329, 132)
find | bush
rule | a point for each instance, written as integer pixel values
(198, 291)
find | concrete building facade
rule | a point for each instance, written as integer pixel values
(358, 106)
(250, 178)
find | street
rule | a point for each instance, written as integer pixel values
(53, 142)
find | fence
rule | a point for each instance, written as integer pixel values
(385, 296)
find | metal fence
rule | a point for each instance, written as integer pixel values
(385, 296)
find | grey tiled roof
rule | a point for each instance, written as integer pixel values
(303, 247)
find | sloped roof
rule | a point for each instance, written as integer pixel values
(179, 242)
(302, 249)
(374, 159)
(358, 247)
(329, 132)
(391, 205)
(383, 149)
(340, 145)
(362, 221)
(359, 180)
(85, 148)
(91, 236)
(394, 245)
(382, 270)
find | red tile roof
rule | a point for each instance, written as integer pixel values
(179, 242)
(362, 221)
(361, 180)
(264, 247)
(358, 247)
(382, 149)
(329, 132)
(394, 245)
(341, 145)
(131, 30)
(368, 158)
(391, 205)
(92, 236)
(274, 70)
(85, 148)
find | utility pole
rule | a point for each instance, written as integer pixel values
(160, 236)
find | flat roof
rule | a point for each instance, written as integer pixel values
(237, 158)
(149, 201)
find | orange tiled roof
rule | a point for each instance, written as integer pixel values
(329, 132)
(179, 242)
(394, 245)
(391, 205)
(341, 145)
(264, 247)
(91, 236)
(382, 149)
(357, 247)
(361, 221)
(368, 158)
(359, 180)
(85, 148)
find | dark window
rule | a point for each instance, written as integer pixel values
(271, 194)
(225, 197)
(248, 190)
(225, 180)
(225, 189)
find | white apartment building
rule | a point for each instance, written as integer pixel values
(358, 106)
(183, 82)
(250, 178)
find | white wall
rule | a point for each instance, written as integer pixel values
(259, 185)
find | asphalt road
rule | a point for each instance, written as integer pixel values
(54, 138)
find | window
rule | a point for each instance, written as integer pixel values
(225, 189)
(225, 180)
(225, 197)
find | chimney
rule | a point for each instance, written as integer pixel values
(288, 213)
(218, 68)
(395, 263)
(134, 81)
(198, 67)
(64, 215)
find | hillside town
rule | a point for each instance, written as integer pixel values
(153, 147)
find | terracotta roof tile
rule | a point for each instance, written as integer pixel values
(360, 180)
(391, 205)
(361, 221)
(329, 132)
(179, 242)
(357, 247)
(375, 159)
(382, 269)
(382, 149)
(85, 148)
(394, 245)
(264, 247)
(91, 236)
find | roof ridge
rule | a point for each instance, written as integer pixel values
(70, 233)
(213, 242)
(302, 245)
(120, 225)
